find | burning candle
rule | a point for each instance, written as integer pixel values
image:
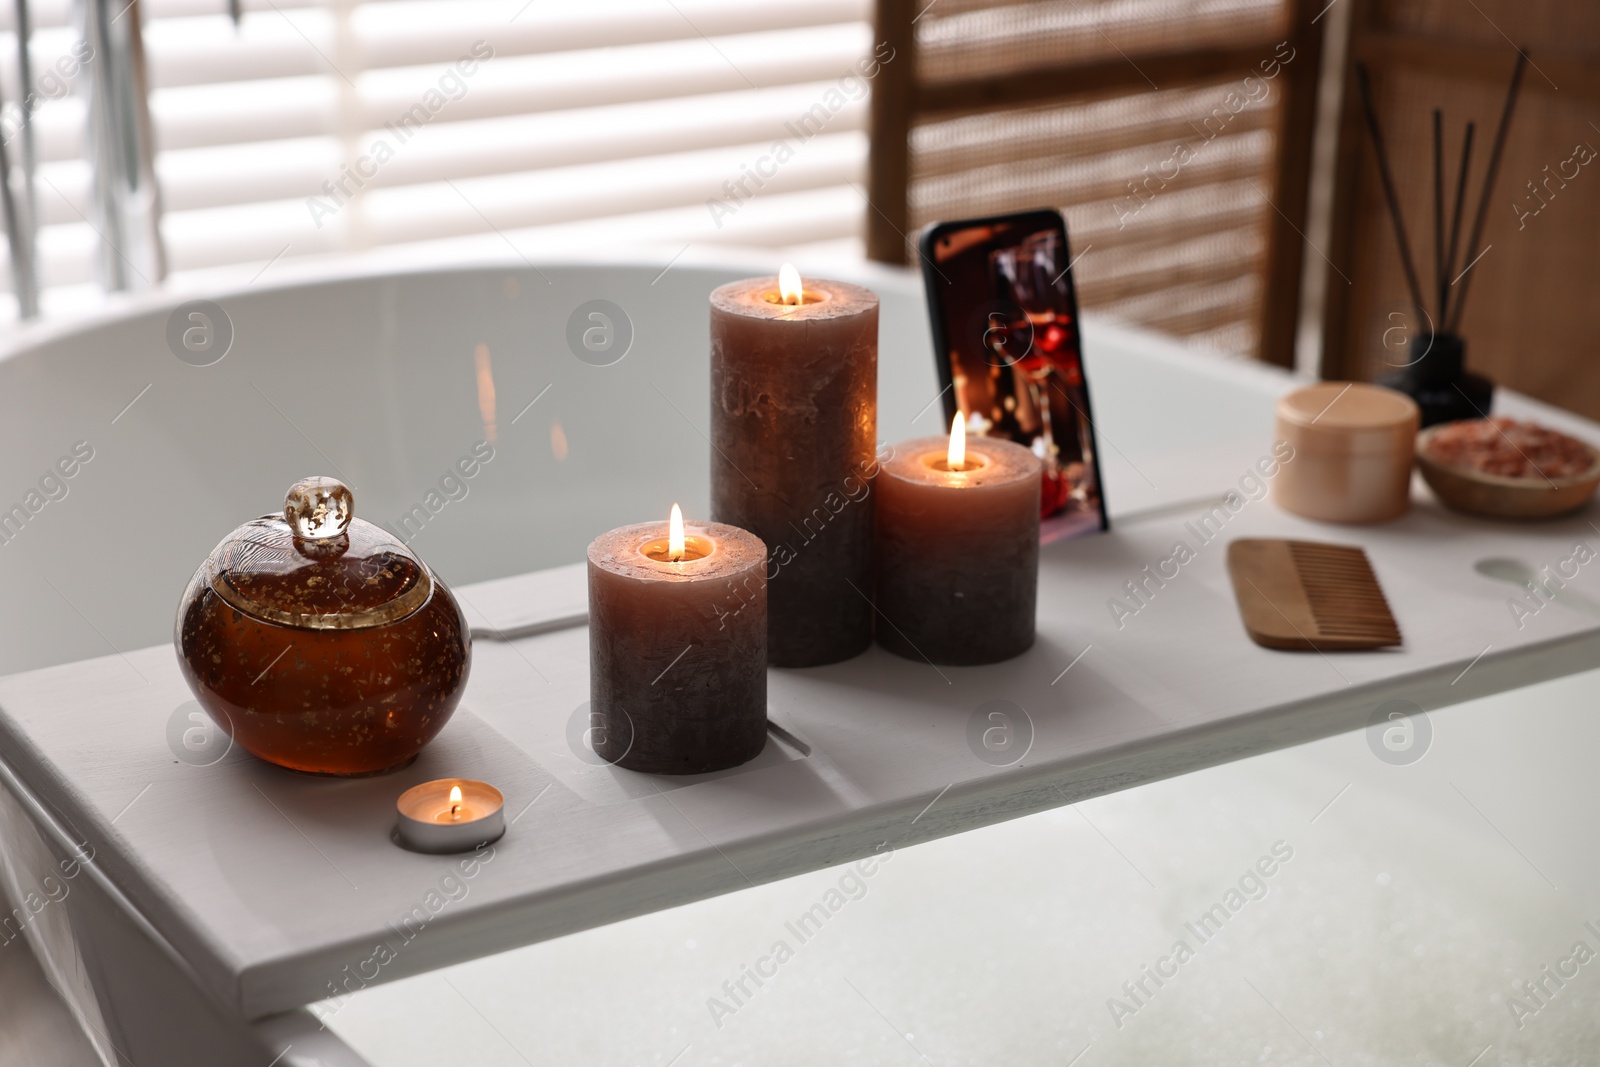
(450, 815)
(958, 548)
(677, 646)
(794, 411)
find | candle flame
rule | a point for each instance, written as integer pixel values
(956, 458)
(789, 286)
(675, 535)
(455, 802)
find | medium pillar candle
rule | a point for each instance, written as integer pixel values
(677, 646)
(958, 549)
(794, 412)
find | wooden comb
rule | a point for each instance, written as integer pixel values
(1305, 595)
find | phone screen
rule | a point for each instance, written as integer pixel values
(1005, 328)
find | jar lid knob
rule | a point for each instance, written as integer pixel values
(318, 509)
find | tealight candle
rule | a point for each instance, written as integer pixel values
(677, 646)
(958, 548)
(794, 412)
(450, 815)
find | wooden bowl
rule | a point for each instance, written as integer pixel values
(1496, 496)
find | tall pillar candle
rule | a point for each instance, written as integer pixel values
(958, 549)
(677, 646)
(794, 412)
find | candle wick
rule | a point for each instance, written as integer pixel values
(455, 811)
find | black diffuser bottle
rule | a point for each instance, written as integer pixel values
(1435, 376)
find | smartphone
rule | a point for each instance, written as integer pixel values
(1005, 331)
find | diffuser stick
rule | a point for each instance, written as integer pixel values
(1488, 183)
(1387, 176)
(1455, 224)
(1438, 207)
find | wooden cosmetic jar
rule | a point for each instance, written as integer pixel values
(1353, 448)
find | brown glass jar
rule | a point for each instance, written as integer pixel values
(320, 642)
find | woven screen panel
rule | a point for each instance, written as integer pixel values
(961, 39)
(1164, 195)
(1540, 27)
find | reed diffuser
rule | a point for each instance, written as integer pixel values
(1435, 373)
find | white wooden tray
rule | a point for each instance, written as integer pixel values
(277, 889)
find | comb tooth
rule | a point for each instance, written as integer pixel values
(1371, 622)
(1332, 599)
(1330, 566)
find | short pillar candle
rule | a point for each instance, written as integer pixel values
(678, 646)
(794, 412)
(958, 549)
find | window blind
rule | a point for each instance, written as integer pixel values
(1166, 181)
(348, 125)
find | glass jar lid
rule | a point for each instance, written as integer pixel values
(318, 567)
